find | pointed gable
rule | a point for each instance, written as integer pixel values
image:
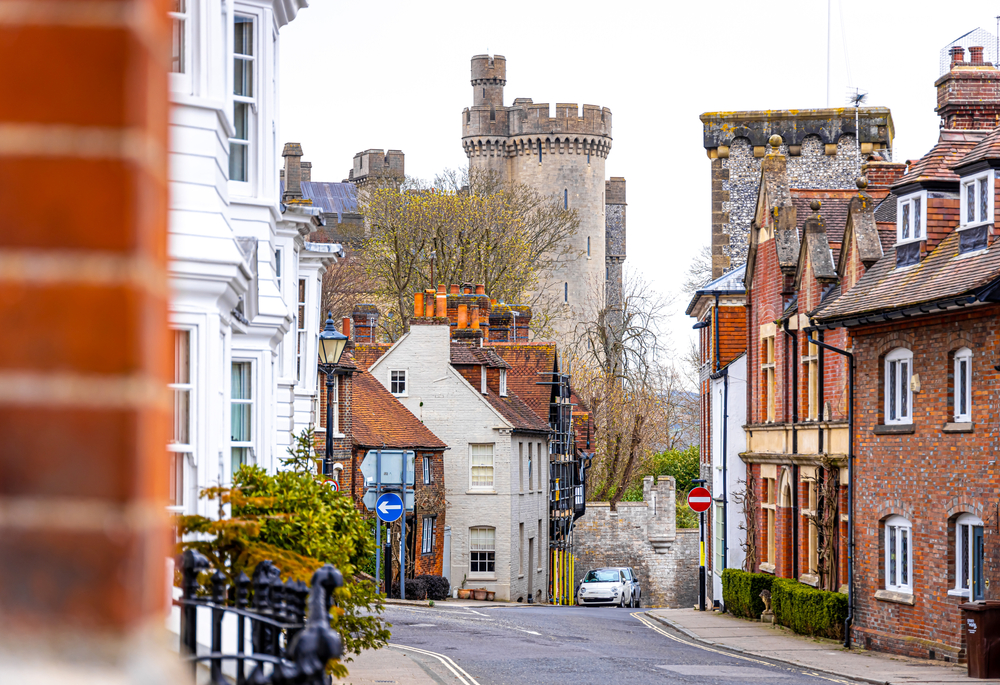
(774, 218)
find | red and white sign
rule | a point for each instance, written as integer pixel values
(333, 485)
(699, 500)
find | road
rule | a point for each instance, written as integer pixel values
(573, 646)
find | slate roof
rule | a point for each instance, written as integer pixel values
(936, 165)
(530, 364)
(941, 275)
(380, 419)
(467, 354)
(332, 198)
(731, 281)
(886, 210)
(987, 148)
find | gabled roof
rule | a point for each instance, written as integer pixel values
(886, 210)
(936, 165)
(817, 247)
(775, 210)
(986, 149)
(379, 419)
(729, 282)
(861, 227)
(519, 414)
(463, 354)
(942, 275)
(366, 354)
(530, 364)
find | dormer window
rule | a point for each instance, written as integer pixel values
(503, 382)
(976, 212)
(911, 218)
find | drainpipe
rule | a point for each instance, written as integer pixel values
(794, 338)
(820, 393)
(850, 480)
(717, 356)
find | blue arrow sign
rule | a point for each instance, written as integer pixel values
(389, 507)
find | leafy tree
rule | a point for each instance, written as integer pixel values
(684, 465)
(300, 524)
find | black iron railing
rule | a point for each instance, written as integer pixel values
(291, 638)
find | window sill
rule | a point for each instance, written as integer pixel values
(963, 427)
(520, 576)
(405, 394)
(809, 579)
(484, 577)
(959, 593)
(480, 492)
(895, 428)
(767, 568)
(895, 597)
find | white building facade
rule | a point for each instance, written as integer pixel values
(495, 469)
(245, 290)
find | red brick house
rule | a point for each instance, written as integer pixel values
(922, 325)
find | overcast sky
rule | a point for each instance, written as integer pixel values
(388, 74)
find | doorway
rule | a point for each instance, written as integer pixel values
(531, 571)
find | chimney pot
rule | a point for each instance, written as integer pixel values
(976, 55)
(480, 289)
(957, 54)
(454, 289)
(442, 303)
(346, 328)
(463, 316)
(440, 288)
(418, 304)
(474, 315)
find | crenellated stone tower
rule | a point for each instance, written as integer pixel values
(561, 156)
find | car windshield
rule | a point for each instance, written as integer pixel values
(601, 577)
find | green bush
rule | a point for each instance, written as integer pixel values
(808, 611)
(741, 592)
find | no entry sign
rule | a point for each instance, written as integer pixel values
(699, 499)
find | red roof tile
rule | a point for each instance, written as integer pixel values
(936, 165)
(366, 354)
(530, 364)
(380, 419)
(987, 148)
(519, 414)
(462, 354)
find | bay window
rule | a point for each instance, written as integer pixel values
(181, 440)
(180, 22)
(244, 103)
(300, 337)
(241, 415)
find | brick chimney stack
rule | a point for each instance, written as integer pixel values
(968, 96)
(293, 172)
(365, 319)
(307, 168)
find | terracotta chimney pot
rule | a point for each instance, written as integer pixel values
(957, 54)
(347, 327)
(463, 316)
(454, 289)
(418, 304)
(442, 303)
(440, 287)
(474, 315)
(976, 55)
(480, 289)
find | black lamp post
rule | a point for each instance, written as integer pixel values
(331, 345)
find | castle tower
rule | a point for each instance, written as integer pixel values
(561, 156)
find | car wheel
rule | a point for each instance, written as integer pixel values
(631, 601)
(621, 602)
(638, 602)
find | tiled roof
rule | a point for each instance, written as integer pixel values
(987, 148)
(937, 164)
(833, 210)
(469, 354)
(366, 354)
(886, 210)
(887, 235)
(380, 419)
(941, 275)
(530, 364)
(517, 412)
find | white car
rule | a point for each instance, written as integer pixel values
(611, 586)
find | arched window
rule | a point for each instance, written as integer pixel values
(898, 396)
(969, 557)
(962, 388)
(898, 555)
(482, 551)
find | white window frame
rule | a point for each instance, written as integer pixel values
(718, 539)
(962, 388)
(244, 186)
(482, 458)
(482, 540)
(181, 22)
(243, 444)
(974, 182)
(898, 541)
(965, 562)
(336, 408)
(428, 472)
(394, 381)
(427, 534)
(181, 451)
(482, 380)
(903, 392)
(503, 382)
(301, 296)
(906, 206)
(278, 254)
(531, 464)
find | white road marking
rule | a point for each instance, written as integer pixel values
(650, 624)
(526, 631)
(422, 625)
(459, 672)
(478, 614)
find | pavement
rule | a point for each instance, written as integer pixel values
(777, 643)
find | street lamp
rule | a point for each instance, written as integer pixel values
(331, 346)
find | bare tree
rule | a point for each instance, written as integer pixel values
(699, 271)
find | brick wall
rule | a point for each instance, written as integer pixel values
(665, 559)
(928, 476)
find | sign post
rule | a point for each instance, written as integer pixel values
(378, 523)
(700, 499)
(402, 540)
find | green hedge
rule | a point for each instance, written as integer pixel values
(741, 592)
(808, 611)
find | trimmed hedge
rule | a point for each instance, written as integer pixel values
(438, 587)
(808, 611)
(741, 592)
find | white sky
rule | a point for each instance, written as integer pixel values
(395, 74)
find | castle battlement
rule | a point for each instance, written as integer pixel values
(532, 119)
(486, 68)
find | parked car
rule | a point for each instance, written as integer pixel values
(616, 586)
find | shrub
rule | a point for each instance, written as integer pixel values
(807, 610)
(741, 592)
(416, 588)
(438, 587)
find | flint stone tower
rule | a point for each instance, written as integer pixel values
(561, 156)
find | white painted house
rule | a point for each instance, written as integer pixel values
(496, 467)
(246, 288)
